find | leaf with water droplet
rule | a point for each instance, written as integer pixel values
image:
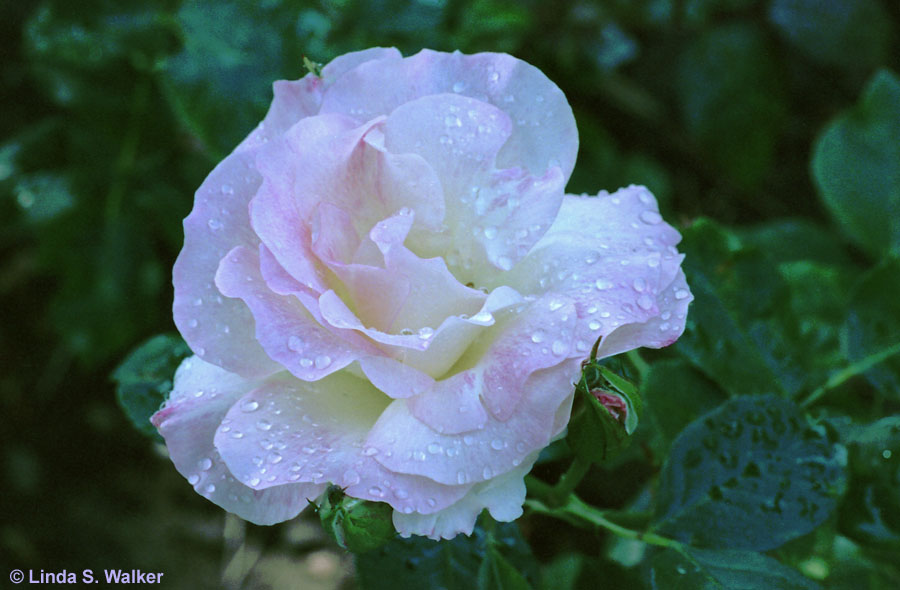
(144, 378)
(698, 569)
(762, 482)
(741, 331)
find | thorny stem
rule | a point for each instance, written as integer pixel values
(847, 373)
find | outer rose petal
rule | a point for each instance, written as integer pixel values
(218, 329)
(202, 395)
(293, 431)
(615, 257)
(503, 496)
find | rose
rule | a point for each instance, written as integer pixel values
(386, 288)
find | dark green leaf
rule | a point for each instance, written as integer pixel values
(873, 324)
(418, 562)
(497, 573)
(232, 49)
(852, 34)
(796, 239)
(677, 394)
(751, 474)
(739, 328)
(731, 99)
(870, 513)
(699, 569)
(144, 378)
(856, 166)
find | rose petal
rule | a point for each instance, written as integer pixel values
(544, 135)
(297, 99)
(217, 329)
(294, 431)
(452, 406)
(612, 255)
(482, 454)
(492, 215)
(286, 330)
(201, 397)
(503, 496)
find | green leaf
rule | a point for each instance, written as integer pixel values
(739, 326)
(751, 474)
(144, 378)
(731, 99)
(232, 49)
(676, 394)
(856, 167)
(870, 513)
(418, 562)
(698, 569)
(873, 324)
(852, 34)
(794, 240)
(355, 525)
(497, 573)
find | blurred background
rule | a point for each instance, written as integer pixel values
(113, 112)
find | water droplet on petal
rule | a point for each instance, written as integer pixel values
(538, 336)
(650, 217)
(645, 302)
(558, 347)
(681, 294)
(295, 343)
(250, 406)
(264, 425)
(322, 361)
(458, 87)
(496, 444)
(205, 464)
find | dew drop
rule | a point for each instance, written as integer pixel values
(295, 343)
(194, 479)
(538, 336)
(650, 217)
(322, 361)
(497, 444)
(434, 448)
(558, 347)
(681, 294)
(490, 232)
(250, 406)
(458, 87)
(264, 425)
(376, 491)
(214, 224)
(206, 464)
(640, 285)
(602, 285)
(645, 302)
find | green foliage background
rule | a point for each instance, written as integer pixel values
(768, 129)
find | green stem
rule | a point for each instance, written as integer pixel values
(568, 482)
(847, 373)
(578, 513)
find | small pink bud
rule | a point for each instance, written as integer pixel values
(614, 404)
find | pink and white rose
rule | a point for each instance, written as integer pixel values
(386, 288)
